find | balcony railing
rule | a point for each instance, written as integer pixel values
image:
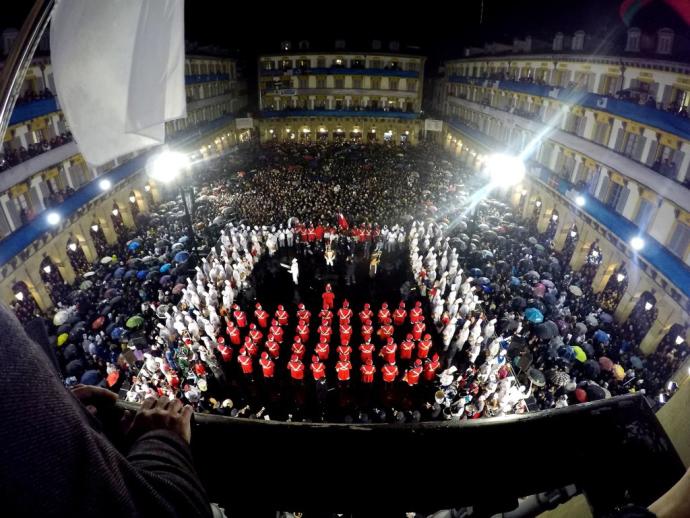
(339, 71)
(205, 78)
(24, 170)
(645, 115)
(271, 114)
(654, 253)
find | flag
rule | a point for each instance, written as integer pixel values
(119, 72)
(629, 8)
(342, 222)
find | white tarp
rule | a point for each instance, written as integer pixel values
(119, 72)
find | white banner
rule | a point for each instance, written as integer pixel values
(244, 123)
(433, 125)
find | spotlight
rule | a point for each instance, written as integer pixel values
(105, 184)
(679, 340)
(637, 243)
(115, 212)
(94, 227)
(538, 203)
(595, 254)
(168, 165)
(505, 170)
(620, 277)
(648, 306)
(73, 246)
(524, 192)
(19, 296)
(270, 131)
(554, 217)
(662, 399)
(580, 200)
(132, 199)
(53, 218)
(573, 233)
(147, 188)
(47, 268)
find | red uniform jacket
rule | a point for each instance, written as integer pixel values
(367, 372)
(296, 370)
(417, 330)
(318, 369)
(273, 348)
(225, 352)
(261, 317)
(252, 348)
(386, 331)
(343, 370)
(416, 315)
(325, 331)
(256, 335)
(240, 318)
(384, 315)
(412, 375)
(423, 349)
(303, 332)
(268, 367)
(344, 350)
(326, 315)
(388, 352)
(322, 350)
(365, 315)
(430, 370)
(328, 297)
(234, 334)
(345, 334)
(277, 333)
(366, 350)
(367, 332)
(298, 349)
(406, 349)
(399, 316)
(282, 317)
(246, 363)
(304, 314)
(389, 373)
(344, 314)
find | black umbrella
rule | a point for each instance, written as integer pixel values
(546, 330)
(558, 378)
(591, 369)
(518, 303)
(507, 325)
(587, 348)
(75, 368)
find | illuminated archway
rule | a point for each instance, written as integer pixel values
(76, 256)
(24, 304)
(570, 244)
(643, 315)
(613, 292)
(52, 280)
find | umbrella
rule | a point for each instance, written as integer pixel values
(119, 273)
(587, 348)
(547, 330)
(601, 336)
(580, 395)
(98, 323)
(134, 322)
(75, 368)
(532, 275)
(177, 247)
(166, 279)
(546, 282)
(218, 220)
(536, 376)
(60, 317)
(113, 378)
(581, 328)
(182, 256)
(61, 339)
(476, 272)
(133, 245)
(162, 311)
(579, 353)
(558, 378)
(483, 280)
(575, 290)
(518, 303)
(107, 260)
(91, 377)
(178, 288)
(606, 364)
(534, 315)
(539, 248)
(591, 320)
(538, 290)
(149, 259)
(636, 362)
(85, 285)
(514, 281)
(89, 274)
(532, 240)
(618, 372)
(594, 391)
(141, 274)
(116, 333)
(605, 317)
(591, 368)
(165, 268)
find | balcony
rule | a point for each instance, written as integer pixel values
(339, 91)
(643, 175)
(653, 252)
(274, 114)
(667, 121)
(205, 78)
(33, 109)
(196, 104)
(28, 168)
(338, 71)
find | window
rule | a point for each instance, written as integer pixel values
(679, 240)
(644, 214)
(393, 83)
(633, 43)
(286, 64)
(339, 82)
(411, 85)
(375, 63)
(629, 143)
(412, 66)
(613, 195)
(375, 83)
(304, 82)
(601, 135)
(356, 82)
(320, 82)
(664, 43)
(321, 62)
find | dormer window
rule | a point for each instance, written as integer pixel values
(578, 40)
(664, 42)
(633, 43)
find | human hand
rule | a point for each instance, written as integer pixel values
(95, 399)
(162, 413)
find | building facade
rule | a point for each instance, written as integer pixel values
(340, 95)
(607, 141)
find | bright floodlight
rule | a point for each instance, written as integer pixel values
(19, 296)
(620, 277)
(679, 340)
(167, 166)
(72, 246)
(637, 243)
(53, 218)
(105, 184)
(505, 170)
(580, 200)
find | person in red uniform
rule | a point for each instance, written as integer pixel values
(342, 369)
(225, 352)
(389, 372)
(273, 347)
(328, 297)
(303, 314)
(366, 314)
(325, 331)
(296, 368)
(318, 368)
(406, 348)
(245, 362)
(319, 232)
(412, 374)
(367, 371)
(417, 329)
(298, 348)
(240, 316)
(424, 346)
(388, 351)
(199, 369)
(367, 330)
(322, 349)
(384, 314)
(366, 351)
(277, 332)
(400, 314)
(281, 316)
(326, 314)
(261, 316)
(386, 330)
(345, 313)
(343, 350)
(416, 313)
(430, 368)
(267, 365)
(345, 333)
(311, 234)
(251, 347)
(303, 331)
(233, 333)
(255, 334)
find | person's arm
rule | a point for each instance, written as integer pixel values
(56, 462)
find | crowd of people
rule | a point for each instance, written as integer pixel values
(327, 284)
(11, 157)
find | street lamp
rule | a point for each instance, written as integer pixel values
(580, 200)
(637, 243)
(132, 199)
(105, 184)
(73, 246)
(53, 218)
(47, 268)
(19, 296)
(94, 227)
(620, 277)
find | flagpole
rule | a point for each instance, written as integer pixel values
(20, 58)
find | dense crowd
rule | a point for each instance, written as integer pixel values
(348, 282)
(11, 157)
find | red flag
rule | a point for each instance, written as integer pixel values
(342, 222)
